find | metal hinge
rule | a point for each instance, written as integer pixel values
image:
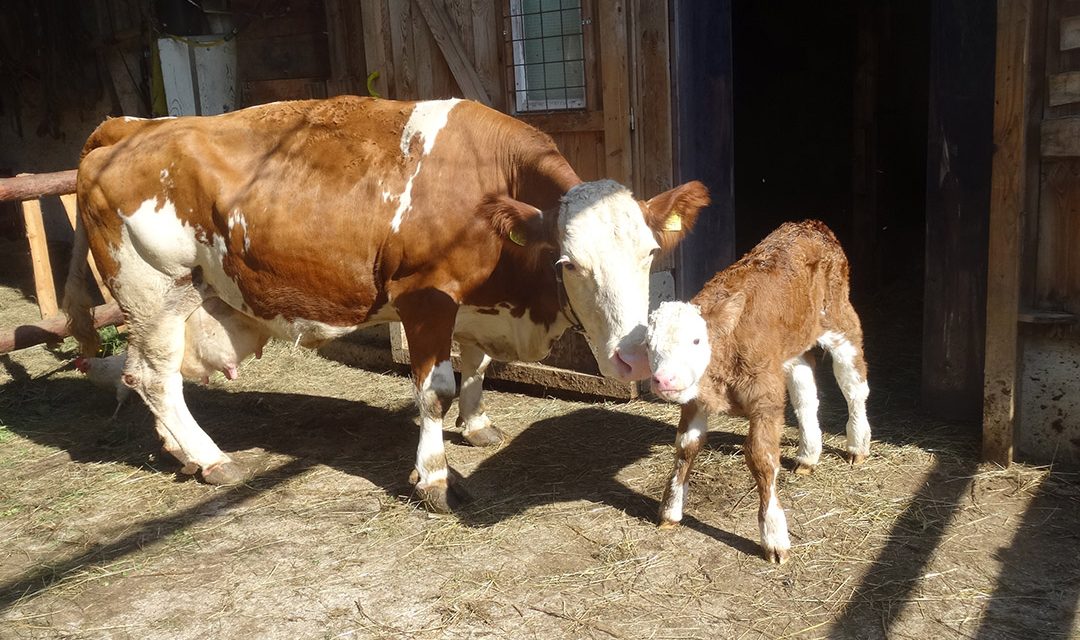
(633, 124)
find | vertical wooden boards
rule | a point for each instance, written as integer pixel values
(704, 140)
(652, 98)
(958, 164)
(39, 256)
(1007, 201)
(445, 32)
(615, 71)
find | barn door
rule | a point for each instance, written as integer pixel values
(1033, 293)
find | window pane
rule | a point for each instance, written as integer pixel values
(546, 43)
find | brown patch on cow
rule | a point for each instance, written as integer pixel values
(681, 204)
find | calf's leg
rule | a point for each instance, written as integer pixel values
(844, 344)
(763, 457)
(804, 398)
(693, 423)
(472, 418)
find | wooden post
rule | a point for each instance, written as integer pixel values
(54, 329)
(39, 256)
(1001, 387)
(616, 74)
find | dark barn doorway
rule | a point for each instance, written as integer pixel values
(830, 104)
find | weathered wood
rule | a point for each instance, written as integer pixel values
(616, 77)
(445, 33)
(54, 329)
(652, 108)
(399, 14)
(301, 55)
(1057, 270)
(1070, 33)
(959, 151)
(123, 69)
(866, 185)
(573, 122)
(1064, 88)
(39, 256)
(1007, 198)
(486, 43)
(1060, 137)
(377, 47)
(35, 185)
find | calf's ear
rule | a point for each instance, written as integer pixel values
(672, 213)
(729, 311)
(520, 226)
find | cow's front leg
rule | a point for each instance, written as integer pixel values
(428, 319)
(473, 419)
(693, 423)
(763, 457)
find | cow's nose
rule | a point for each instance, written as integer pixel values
(663, 380)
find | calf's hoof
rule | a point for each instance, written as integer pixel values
(856, 458)
(776, 555)
(223, 473)
(487, 437)
(666, 525)
(803, 468)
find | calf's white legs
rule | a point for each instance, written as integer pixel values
(804, 398)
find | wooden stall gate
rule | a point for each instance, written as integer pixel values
(1032, 374)
(29, 189)
(610, 113)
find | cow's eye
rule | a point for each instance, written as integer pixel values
(697, 341)
(569, 266)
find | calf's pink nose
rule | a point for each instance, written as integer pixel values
(663, 380)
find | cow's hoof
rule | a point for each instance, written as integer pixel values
(666, 525)
(777, 556)
(440, 498)
(223, 473)
(856, 458)
(487, 437)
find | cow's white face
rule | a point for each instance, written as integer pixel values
(679, 353)
(607, 250)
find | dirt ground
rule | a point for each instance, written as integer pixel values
(99, 538)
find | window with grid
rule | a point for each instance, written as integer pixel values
(547, 72)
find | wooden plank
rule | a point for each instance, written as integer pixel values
(1060, 137)
(1007, 198)
(337, 40)
(264, 91)
(425, 57)
(54, 329)
(1057, 264)
(615, 73)
(39, 256)
(445, 32)
(1070, 33)
(123, 70)
(1064, 88)
(70, 208)
(572, 122)
(486, 28)
(652, 103)
(301, 55)
(961, 112)
(35, 185)
(377, 47)
(399, 13)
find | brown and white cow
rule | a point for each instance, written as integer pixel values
(315, 218)
(745, 337)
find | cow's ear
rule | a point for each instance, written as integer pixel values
(672, 213)
(520, 226)
(728, 311)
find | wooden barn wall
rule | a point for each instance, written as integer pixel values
(282, 50)
(957, 200)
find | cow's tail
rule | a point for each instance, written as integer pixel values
(77, 300)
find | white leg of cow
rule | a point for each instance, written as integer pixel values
(690, 437)
(804, 398)
(473, 419)
(155, 351)
(849, 369)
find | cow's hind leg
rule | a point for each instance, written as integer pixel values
(155, 351)
(693, 424)
(844, 344)
(472, 418)
(802, 390)
(428, 319)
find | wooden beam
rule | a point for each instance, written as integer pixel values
(615, 71)
(35, 185)
(39, 256)
(1060, 137)
(377, 54)
(54, 329)
(572, 122)
(1001, 386)
(445, 33)
(1064, 88)
(1070, 33)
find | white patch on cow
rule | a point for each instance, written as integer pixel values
(673, 508)
(504, 337)
(426, 120)
(474, 362)
(236, 217)
(430, 455)
(159, 238)
(854, 387)
(182, 428)
(608, 286)
(137, 119)
(441, 380)
(802, 389)
(774, 532)
(678, 349)
(386, 196)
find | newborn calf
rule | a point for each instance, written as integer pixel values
(741, 341)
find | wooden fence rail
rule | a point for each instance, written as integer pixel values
(28, 188)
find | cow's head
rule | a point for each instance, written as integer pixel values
(605, 243)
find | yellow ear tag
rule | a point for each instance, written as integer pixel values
(673, 223)
(517, 237)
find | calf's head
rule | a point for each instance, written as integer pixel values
(678, 348)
